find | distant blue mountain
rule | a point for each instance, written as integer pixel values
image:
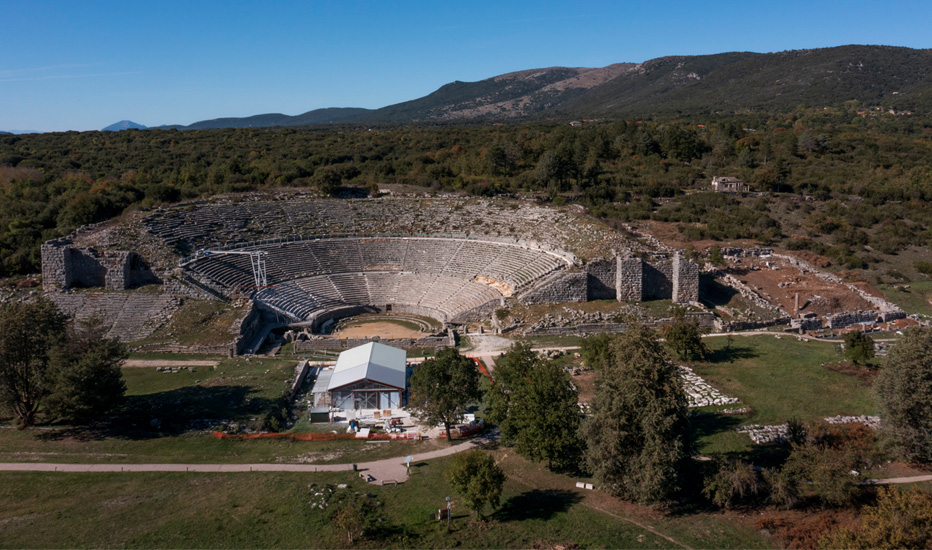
(335, 115)
(124, 125)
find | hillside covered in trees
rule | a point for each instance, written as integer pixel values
(850, 183)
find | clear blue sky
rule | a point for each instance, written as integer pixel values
(70, 65)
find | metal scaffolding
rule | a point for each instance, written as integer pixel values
(256, 259)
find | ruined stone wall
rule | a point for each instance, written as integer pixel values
(848, 318)
(629, 282)
(435, 342)
(479, 313)
(806, 324)
(85, 267)
(601, 279)
(65, 266)
(746, 252)
(589, 328)
(657, 280)
(185, 284)
(685, 280)
(56, 271)
(249, 328)
(118, 275)
(568, 286)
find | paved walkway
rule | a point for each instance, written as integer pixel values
(382, 472)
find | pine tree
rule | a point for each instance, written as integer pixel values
(28, 331)
(86, 380)
(904, 389)
(638, 438)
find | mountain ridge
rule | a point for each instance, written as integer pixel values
(896, 76)
(123, 125)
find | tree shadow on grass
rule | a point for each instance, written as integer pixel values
(537, 504)
(706, 424)
(767, 455)
(173, 412)
(730, 354)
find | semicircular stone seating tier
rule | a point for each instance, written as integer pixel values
(441, 277)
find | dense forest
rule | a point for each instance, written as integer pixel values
(850, 183)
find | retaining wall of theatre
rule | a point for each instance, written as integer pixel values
(623, 278)
(65, 266)
(564, 286)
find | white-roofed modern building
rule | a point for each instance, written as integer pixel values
(371, 376)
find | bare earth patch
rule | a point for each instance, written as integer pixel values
(382, 329)
(779, 282)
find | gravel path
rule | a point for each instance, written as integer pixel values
(387, 471)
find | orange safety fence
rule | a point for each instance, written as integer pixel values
(317, 436)
(482, 368)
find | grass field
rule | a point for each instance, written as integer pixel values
(185, 405)
(266, 510)
(779, 379)
(915, 299)
(198, 322)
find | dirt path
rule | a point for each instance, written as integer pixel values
(386, 471)
(135, 363)
(898, 480)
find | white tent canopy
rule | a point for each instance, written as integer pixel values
(371, 376)
(374, 362)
